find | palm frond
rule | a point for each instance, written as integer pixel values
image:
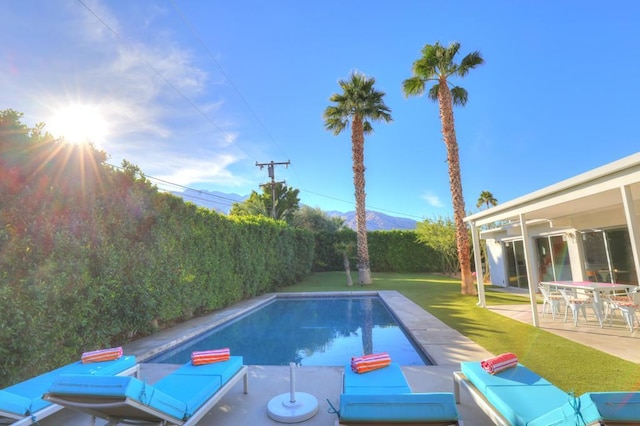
(413, 86)
(469, 62)
(433, 92)
(459, 95)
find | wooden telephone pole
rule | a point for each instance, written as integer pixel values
(270, 168)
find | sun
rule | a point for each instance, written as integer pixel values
(79, 124)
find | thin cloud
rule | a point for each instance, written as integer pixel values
(432, 200)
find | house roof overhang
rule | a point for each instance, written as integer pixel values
(598, 190)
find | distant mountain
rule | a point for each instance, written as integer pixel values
(377, 221)
(221, 202)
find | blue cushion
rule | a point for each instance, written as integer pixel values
(35, 387)
(594, 407)
(118, 387)
(387, 380)
(518, 375)
(408, 407)
(12, 403)
(522, 403)
(195, 384)
(192, 390)
(518, 393)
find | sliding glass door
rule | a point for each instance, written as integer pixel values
(553, 259)
(516, 265)
(608, 256)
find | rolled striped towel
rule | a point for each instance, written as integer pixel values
(499, 363)
(101, 355)
(362, 364)
(210, 356)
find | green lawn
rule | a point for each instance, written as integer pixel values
(568, 365)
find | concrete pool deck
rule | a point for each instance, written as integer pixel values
(445, 346)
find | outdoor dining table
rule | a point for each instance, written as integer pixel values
(595, 287)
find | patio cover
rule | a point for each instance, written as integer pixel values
(611, 191)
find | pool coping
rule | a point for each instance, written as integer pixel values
(444, 345)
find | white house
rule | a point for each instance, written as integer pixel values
(583, 228)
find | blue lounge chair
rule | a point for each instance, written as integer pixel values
(180, 398)
(22, 403)
(384, 397)
(519, 397)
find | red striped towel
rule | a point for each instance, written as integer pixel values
(362, 364)
(211, 356)
(499, 363)
(101, 355)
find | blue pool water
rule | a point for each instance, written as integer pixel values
(307, 331)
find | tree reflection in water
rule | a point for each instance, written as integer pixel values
(316, 331)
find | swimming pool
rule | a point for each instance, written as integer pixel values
(318, 331)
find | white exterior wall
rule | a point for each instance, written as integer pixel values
(495, 259)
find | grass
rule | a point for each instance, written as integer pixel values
(568, 365)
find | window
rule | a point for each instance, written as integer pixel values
(608, 256)
(516, 265)
(553, 259)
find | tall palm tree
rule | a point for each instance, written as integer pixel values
(357, 105)
(486, 199)
(437, 65)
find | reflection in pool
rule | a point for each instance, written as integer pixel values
(308, 331)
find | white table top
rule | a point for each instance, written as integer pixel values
(589, 285)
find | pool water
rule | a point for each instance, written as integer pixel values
(307, 331)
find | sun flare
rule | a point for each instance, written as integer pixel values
(79, 124)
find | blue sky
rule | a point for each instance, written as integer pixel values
(196, 92)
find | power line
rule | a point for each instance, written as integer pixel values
(224, 73)
(368, 206)
(230, 201)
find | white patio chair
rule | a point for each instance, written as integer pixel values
(551, 300)
(578, 302)
(627, 306)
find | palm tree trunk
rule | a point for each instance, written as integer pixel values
(347, 268)
(455, 182)
(357, 146)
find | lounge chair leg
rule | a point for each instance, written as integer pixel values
(456, 387)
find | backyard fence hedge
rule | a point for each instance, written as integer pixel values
(389, 251)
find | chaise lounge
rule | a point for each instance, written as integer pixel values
(383, 397)
(519, 397)
(22, 403)
(180, 398)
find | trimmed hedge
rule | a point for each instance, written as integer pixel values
(93, 257)
(389, 251)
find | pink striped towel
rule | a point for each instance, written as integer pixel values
(499, 363)
(362, 364)
(101, 355)
(211, 356)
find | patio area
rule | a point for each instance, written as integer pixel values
(445, 346)
(614, 339)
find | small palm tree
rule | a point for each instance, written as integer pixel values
(486, 199)
(345, 249)
(437, 65)
(357, 105)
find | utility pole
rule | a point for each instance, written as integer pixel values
(272, 175)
